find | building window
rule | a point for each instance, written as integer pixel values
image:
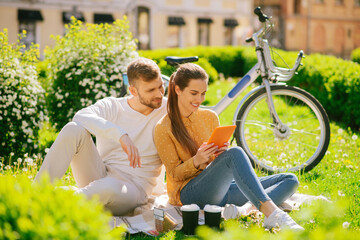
(339, 2)
(73, 13)
(66, 17)
(27, 22)
(143, 27)
(297, 7)
(204, 31)
(103, 18)
(30, 28)
(175, 32)
(230, 25)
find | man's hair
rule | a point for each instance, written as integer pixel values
(142, 69)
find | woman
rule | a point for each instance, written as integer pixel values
(205, 174)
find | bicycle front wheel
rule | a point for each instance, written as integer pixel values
(305, 141)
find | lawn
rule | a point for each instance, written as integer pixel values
(335, 177)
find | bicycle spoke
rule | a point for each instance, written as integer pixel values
(295, 149)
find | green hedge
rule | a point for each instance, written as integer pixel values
(333, 81)
(40, 211)
(355, 55)
(225, 60)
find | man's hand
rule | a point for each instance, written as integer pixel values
(131, 150)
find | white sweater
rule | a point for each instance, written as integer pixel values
(110, 118)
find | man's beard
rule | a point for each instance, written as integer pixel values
(149, 103)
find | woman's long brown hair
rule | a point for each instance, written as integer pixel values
(181, 78)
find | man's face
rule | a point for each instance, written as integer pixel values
(150, 93)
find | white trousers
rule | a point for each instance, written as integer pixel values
(74, 146)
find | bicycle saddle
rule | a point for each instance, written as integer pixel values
(174, 61)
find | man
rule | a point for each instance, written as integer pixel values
(123, 166)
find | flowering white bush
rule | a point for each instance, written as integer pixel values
(21, 98)
(87, 65)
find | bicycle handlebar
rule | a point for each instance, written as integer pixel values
(261, 15)
(264, 57)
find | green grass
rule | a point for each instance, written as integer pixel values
(335, 177)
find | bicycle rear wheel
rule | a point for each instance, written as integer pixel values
(305, 141)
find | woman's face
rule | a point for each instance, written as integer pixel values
(190, 98)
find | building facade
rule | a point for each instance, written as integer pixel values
(155, 23)
(316, 26)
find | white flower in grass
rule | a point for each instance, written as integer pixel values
(341, 194)
(345, 224)
(29, 161)
(354, 137)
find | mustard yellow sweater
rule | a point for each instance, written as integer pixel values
(178, 162)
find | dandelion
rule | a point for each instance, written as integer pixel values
(354, 137)
(345, 224)
(340, 131)
(29, 161)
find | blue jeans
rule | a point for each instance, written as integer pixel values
(230, 178)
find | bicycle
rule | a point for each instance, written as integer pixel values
(274, 117)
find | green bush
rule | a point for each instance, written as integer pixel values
(159, 57)
(355, 55)
(39, 211)
(21, 98)
(86, 65)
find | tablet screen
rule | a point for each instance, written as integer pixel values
(221, 135)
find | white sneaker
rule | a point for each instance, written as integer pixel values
(281, 219)
(232, 211)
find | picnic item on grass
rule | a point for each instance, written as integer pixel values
(190, 216)
(163, 221)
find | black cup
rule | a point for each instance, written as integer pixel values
(212, 219)
(190, 221)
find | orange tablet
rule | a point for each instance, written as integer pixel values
(221, 135)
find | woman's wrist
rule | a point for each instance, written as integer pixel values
(196, 165)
